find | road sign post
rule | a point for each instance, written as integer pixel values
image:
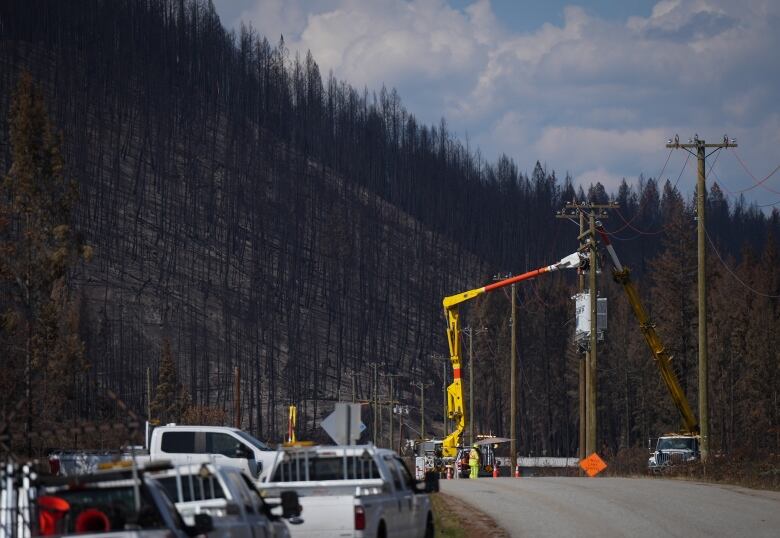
(344, 425)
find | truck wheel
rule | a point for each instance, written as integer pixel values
(382, 532)
(429, 528)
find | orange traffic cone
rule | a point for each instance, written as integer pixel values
(517, 471)
(495, 471)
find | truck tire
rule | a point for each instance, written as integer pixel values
(430, 531)
(382, 532)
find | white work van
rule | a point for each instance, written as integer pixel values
(220, 445)
(356, 491)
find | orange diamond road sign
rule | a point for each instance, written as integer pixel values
(593, 465)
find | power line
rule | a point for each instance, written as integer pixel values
(738, 194)
(757, 183)
(733, 274)
(639, 210)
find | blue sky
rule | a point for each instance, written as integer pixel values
(590, 88)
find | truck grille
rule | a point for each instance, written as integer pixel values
(669, 458)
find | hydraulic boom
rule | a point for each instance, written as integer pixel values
(455, 410)
(662, 357)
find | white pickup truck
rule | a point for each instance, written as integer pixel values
(221, 445)
(229, 496)
(179, 445)
(356, 491)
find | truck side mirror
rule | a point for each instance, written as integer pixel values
(291, 508)
(431, 482)
(243, 452)
(203, 525)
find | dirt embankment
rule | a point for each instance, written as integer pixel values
(457, 519)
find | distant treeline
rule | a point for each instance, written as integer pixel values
(244, 212)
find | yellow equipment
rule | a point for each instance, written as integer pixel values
(662, 357)
(292, 418)
(455, 410)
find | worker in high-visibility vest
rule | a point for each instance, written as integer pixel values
(474, 462)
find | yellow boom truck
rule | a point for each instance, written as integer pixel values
(672, 447)
(455, 410)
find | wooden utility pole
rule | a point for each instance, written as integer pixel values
(445, 362)
(701, 195)
(512, 374)
(588, 241)
(513, 384)
(591, 373)
(422, 386)
(391, 401)
(376, 402)
(583, 362)
(469, 331)
(471, 386)
(148, 393)
(237, 397)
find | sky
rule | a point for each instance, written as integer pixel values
(593, 89)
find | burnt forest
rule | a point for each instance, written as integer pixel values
(223, 207)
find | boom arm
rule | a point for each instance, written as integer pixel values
(662, 357)
(455, 390)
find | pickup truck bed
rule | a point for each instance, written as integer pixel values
(353, 491)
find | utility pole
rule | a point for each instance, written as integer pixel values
(583, 362)
(237, 397)
(401, 410)
(391, 403)
(513, 383)
(422, 386)
(376, 402)
(351, 374)
(470, 333)
(444, 362)
(591, 375)
(512, 375)
(148, 394)
(701, 195)
(588, 241)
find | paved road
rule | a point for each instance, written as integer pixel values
(635, 507)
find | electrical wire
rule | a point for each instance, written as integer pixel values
(738, 193)
(733, 274)
(644, 232)
(756, 182)
(663, 169)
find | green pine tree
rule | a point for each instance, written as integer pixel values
(43, 354)
(171, 400)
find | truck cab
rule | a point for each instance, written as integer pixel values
(211, 444)
(673, 449)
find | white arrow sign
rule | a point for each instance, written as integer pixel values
(344, 425)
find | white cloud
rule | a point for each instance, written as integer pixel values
(371, 43)
(591, 96)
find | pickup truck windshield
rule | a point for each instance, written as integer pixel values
(254, 442)
(323, 468)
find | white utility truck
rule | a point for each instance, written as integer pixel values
(355, 491)
(220, 445)
(230, 497)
